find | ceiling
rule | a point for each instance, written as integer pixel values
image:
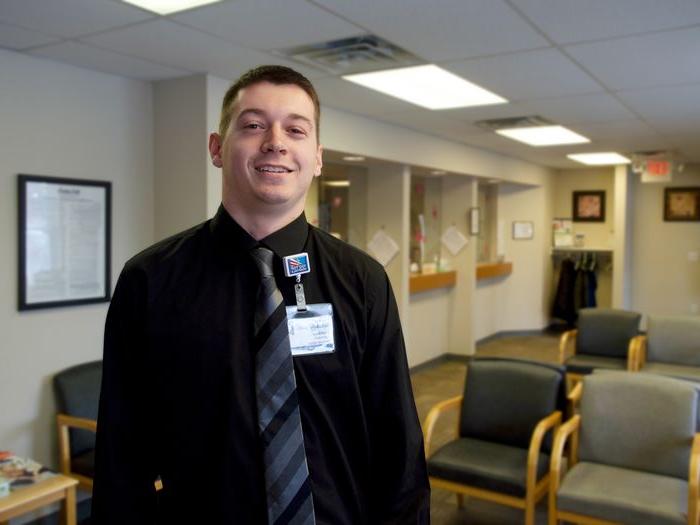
(625, 73)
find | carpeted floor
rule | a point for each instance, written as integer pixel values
(446, 380)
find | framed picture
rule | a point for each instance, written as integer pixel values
(682, 204)
(523, 230)
(474, 217)
(64, 241)
(589, 206)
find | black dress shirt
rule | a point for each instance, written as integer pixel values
(178, 387)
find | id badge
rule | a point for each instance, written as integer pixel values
(311, 331)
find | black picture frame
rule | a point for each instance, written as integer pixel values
(588, 206)
(47, 194)
(682, 204)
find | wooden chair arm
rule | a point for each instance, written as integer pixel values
(64, 422)
(552, 421)
(560, 439)
(574, 397)
(637, 356)
(76, 422)
(694, 483)
(567, 338)
(432, 418)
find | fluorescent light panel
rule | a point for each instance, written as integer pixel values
(353, 158)
(167, 7)
(337, 183)
(427, 86)
(543, 135)
(609, 158)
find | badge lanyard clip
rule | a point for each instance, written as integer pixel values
(299, 294)
(296, 266)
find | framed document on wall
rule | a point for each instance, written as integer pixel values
(64, 241)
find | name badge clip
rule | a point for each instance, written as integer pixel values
(295, 266)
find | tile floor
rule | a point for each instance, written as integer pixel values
(446, 380)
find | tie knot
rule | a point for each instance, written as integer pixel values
(263, 260)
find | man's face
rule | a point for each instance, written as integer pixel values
(270, 153)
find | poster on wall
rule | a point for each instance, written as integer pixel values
(64, 241)
(562, 233)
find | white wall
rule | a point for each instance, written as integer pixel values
(388, 189)
(664, 280)
(63, 121)
(519, 301)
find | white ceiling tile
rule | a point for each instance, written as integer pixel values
(91, 57)
(567, 21)
(624, 144)
(171, 44)
(443, 29)
(687, 126)
(70, 18)
(269, 24)
(341, 94)
(660, 59)
(689, 150)
(602, 131)
(527, 75)
(18, 38)
(664, 102)
(597, 107)
(431, 123)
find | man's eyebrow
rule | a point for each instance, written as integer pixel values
(261, 113)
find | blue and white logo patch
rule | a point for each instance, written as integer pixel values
(297, 264)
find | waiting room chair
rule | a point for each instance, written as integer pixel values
(77, 392)
(634, 453)
(501, 452)
(670, 347)
(603, 340)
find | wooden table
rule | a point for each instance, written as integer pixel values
(22, 500)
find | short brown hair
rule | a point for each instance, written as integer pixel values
(278, 75)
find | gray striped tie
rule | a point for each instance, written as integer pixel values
(289, 499)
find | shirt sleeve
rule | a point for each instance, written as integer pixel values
(400, 493)
(125, 455)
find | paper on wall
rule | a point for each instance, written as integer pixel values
(454, 240)
(383, 247)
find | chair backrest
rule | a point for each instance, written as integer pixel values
(504, 399)
(78, 394)
(643, 422)
(606, 331)
(674, 340)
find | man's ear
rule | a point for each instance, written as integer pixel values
(216, 149)
(319, 161)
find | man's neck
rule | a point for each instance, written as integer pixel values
(260, 224)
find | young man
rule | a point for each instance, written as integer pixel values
(245, 417)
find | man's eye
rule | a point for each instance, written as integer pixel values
(252, 125)
(297, 131)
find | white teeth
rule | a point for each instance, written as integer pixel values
(272, 169)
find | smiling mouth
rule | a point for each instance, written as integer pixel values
(267, 168)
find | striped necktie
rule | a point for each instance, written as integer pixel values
(289, 500)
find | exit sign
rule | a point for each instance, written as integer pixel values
(657, 170)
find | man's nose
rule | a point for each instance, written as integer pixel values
(274, 140)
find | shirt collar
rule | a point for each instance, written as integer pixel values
(288, 240)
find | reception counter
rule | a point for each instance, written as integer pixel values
(423, 282)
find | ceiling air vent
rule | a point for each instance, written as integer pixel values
(513, 122)
(358, 54)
